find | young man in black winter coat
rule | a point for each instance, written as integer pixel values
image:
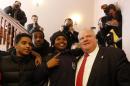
(40, 44)
(18, 68)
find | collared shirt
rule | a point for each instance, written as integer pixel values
(88, 65)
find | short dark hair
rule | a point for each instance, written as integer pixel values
(18, 1)
(104, 6)
(19, 36)
(112, 6)
(34, 16)
(69, 19)
(37, 30)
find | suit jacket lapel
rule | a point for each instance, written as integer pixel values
(95, 67)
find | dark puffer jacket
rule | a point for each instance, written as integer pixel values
(43, 50)
(63, 74)
(17, 71)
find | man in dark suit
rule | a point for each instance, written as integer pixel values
(103, 67)
(34, 25)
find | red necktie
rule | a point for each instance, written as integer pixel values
(79, 79)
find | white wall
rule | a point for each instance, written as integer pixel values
(53, 12)
(126, 25)
(124, 6)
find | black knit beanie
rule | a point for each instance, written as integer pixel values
(55, 35)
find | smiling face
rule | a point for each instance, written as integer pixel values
(24, 46)
(60, 43)
(87, 40)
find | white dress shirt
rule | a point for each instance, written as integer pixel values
(88, 65)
